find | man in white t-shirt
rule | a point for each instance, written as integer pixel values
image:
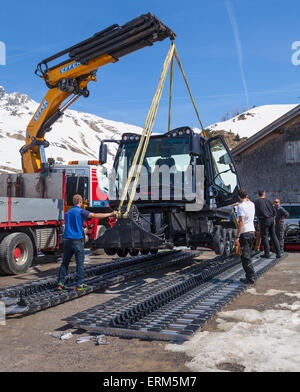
(246, 234)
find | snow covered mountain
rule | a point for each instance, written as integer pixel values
(75, 136)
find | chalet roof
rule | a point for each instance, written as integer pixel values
(266, 131)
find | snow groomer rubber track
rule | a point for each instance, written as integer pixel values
(42, 293)
(173, 308)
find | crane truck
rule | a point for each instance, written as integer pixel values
(32, 204)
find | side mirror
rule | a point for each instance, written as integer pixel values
(195, 145)
(102, 153)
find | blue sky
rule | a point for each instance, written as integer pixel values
(232, 51)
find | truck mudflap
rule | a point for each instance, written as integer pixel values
(126, 233)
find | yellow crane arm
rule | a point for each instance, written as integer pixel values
(71, 76)
(33, 151)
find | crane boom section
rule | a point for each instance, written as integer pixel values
(74, 69)
(35, 132)
(70, 77)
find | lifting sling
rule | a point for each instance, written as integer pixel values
(147, 130)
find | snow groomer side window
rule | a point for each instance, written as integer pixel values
(224, 172)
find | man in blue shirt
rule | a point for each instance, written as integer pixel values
(73, 241)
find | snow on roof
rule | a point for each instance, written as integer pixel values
(252, 121)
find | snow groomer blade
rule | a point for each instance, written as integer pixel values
(126, 233)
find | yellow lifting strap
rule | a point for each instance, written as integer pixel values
(147, 130)
(144, 140)
(202, 128)
(189, 90)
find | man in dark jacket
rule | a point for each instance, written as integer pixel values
(281, 214)
(265, 212)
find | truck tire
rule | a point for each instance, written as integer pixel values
(110, 251)
(218, 241)
(16, 253)
(227, 243)
(2, 271)
(133, 252)
(122, 252)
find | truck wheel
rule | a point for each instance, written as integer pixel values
(16, 253)
(133, 252)
(122, 252)
(2, 270)
(227, 243)
(110, 251)
(218, 241)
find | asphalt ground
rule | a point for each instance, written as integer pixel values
(27, 345)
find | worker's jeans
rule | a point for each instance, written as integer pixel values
(279, 230)
(72, 247)
(267, 227)
(246, 242)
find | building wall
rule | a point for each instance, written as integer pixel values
(273, 164)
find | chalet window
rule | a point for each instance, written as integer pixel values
(293, 152)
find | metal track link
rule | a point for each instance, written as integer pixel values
(173, 313)
(38, 296)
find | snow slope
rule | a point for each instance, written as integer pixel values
(75, 136)
(252, 121)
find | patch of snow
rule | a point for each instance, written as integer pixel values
(267, 293)
(291, 272)
(258, 341)
(273, 292)
(297, 295)
(294, 306)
